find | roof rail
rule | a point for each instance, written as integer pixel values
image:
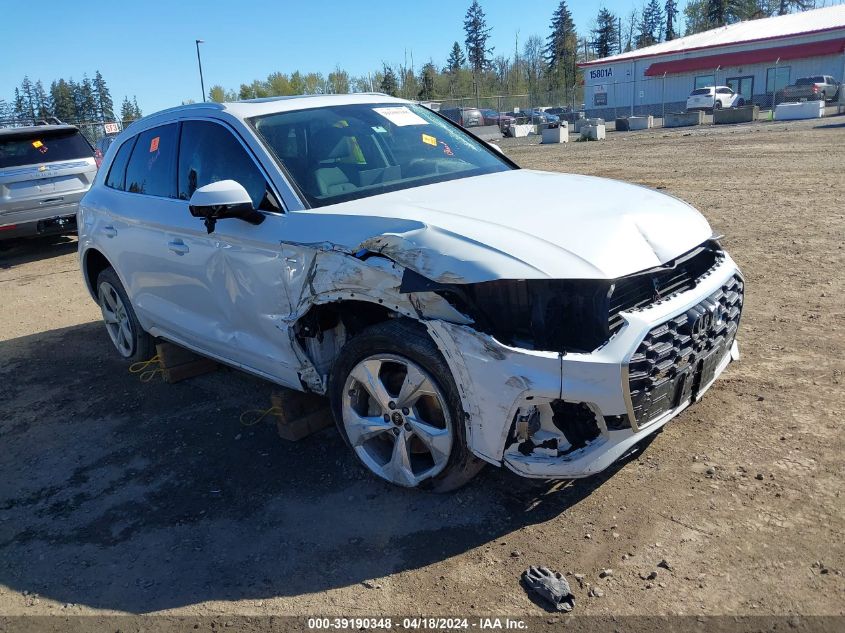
(30, 122)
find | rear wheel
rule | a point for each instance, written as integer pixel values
(396, 405)
(129, 338)
(717, 105)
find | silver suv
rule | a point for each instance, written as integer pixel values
(44, 172)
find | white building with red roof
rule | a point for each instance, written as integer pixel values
(756, 58)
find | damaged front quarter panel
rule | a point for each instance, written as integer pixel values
(321, 275)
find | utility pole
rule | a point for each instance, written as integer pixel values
(199, 62)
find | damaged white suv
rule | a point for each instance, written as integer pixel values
(456, 310)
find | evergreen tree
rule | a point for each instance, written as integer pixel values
(389, 84)
(19, 107)
(6, 110)
(27, 93)
(43, 107)
(477, 35)
(671, 8)
(136, 111)
(63, 106)
(102, 96)
(650, 28)
(786, 6)
(456, 59)
(606, 34)
(561, 49)
(127, 112)
(718, 12)
(86, 102)
(427, 76)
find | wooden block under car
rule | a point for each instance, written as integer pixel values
(300, 414)
(179, 363)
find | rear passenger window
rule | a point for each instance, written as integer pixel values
(209, 153)
(151, 168)
(117, 174)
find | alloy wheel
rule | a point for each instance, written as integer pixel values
(116, 318)
(396, 419)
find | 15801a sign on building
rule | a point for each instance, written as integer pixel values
(601, 73)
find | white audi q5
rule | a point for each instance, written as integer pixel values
(456, 310)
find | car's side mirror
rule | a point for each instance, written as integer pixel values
(223, 199)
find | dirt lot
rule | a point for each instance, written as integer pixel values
(119, 496)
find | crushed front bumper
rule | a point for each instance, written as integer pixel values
(550, 415)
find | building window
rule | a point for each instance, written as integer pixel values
(777, 78)
(742, 86)
(704, 81)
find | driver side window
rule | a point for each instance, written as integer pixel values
(208, 153)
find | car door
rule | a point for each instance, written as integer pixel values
(141, 232)
(241, 280)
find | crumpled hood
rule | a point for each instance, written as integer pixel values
(521, 224)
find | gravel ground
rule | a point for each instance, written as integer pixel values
(118, 496)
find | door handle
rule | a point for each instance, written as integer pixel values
(178, 246)
(109, 231)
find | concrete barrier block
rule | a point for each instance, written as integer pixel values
(595, 121)
(683, 119)
(556, 134)
(522, 129)
(745, 114)
(593, 132)
(622, 124)
(640, 122)
(803, 110)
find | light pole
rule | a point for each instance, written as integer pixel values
(199, 62)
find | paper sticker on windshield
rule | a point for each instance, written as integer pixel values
(154, 144)
(379, 129)
(430, 140)
(401, 116)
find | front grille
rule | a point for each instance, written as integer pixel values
(679, 357)
(642, 289)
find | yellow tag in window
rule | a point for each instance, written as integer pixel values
(429, 140)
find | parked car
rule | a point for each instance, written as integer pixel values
(44, 172)
(815, 88)
(455, 309)
(535, 116)
(714, 98)
(101, 146)
(492, 117)
(465, 117)
(558, 111)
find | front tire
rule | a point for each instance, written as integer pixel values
(126, 334)
(396, 405)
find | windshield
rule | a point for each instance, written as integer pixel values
(43, 146)
(344, 152)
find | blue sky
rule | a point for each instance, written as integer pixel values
(148, 50)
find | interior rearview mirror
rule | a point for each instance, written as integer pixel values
(223, 199)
